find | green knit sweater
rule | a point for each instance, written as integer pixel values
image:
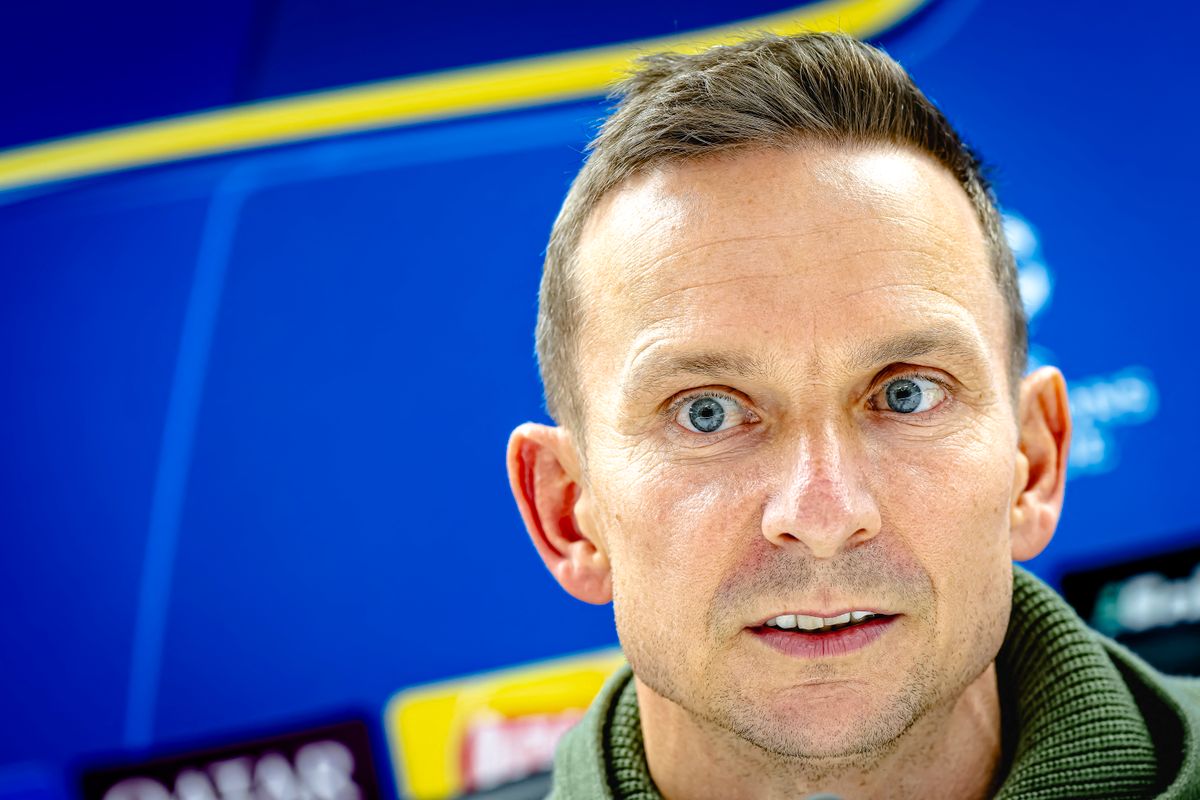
(1082, 717)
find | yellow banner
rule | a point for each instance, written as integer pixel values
(481, 732)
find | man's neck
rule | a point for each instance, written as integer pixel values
(954, 751)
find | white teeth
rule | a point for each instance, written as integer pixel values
(809, 623)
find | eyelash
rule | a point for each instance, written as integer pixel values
(680, 402)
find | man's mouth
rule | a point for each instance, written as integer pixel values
(808, 636)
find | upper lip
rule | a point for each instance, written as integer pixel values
(826, 614)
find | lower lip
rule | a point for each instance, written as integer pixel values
(824, 645)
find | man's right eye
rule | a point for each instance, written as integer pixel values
(710, 413)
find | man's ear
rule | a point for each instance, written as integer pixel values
(544, 473)
(1044, 420)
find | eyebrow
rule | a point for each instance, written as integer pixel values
(650, 375)
(943, 338)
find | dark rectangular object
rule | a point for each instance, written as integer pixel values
(1150, 604)
(330, 762)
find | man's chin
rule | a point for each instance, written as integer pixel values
(824, 722)
(849, 733)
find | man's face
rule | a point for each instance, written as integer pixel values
(794, 365)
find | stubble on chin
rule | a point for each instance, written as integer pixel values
(767, 738)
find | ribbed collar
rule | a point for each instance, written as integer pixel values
(1072, 729)
(1078, 730)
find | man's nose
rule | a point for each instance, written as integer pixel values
(822, 501)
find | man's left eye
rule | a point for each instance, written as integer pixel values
(710, 413)
(911, 394)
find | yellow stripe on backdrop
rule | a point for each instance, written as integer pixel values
(453, 93)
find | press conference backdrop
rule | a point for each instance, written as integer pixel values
(256, 393)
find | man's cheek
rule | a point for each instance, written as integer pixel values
(677, 522)
(959, 475)
(949, 504)
(952, 506)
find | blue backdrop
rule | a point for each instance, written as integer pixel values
(254, 407)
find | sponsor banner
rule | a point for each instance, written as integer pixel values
(1151, 605)
(331, 762)
(493, 730)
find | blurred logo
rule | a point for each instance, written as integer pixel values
(328, 763)
(1100, 403)
(1151, 605)
(497, 728)
(1147, 601)
(1033, 277)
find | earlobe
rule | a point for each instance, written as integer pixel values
(1041, 464)
(543, 472)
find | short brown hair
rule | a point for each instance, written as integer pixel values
(767, 91)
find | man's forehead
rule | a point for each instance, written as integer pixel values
(672, 207)
(809, 225)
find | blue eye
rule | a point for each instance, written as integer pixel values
(912, 394)
(706, 414)
(710, 413)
